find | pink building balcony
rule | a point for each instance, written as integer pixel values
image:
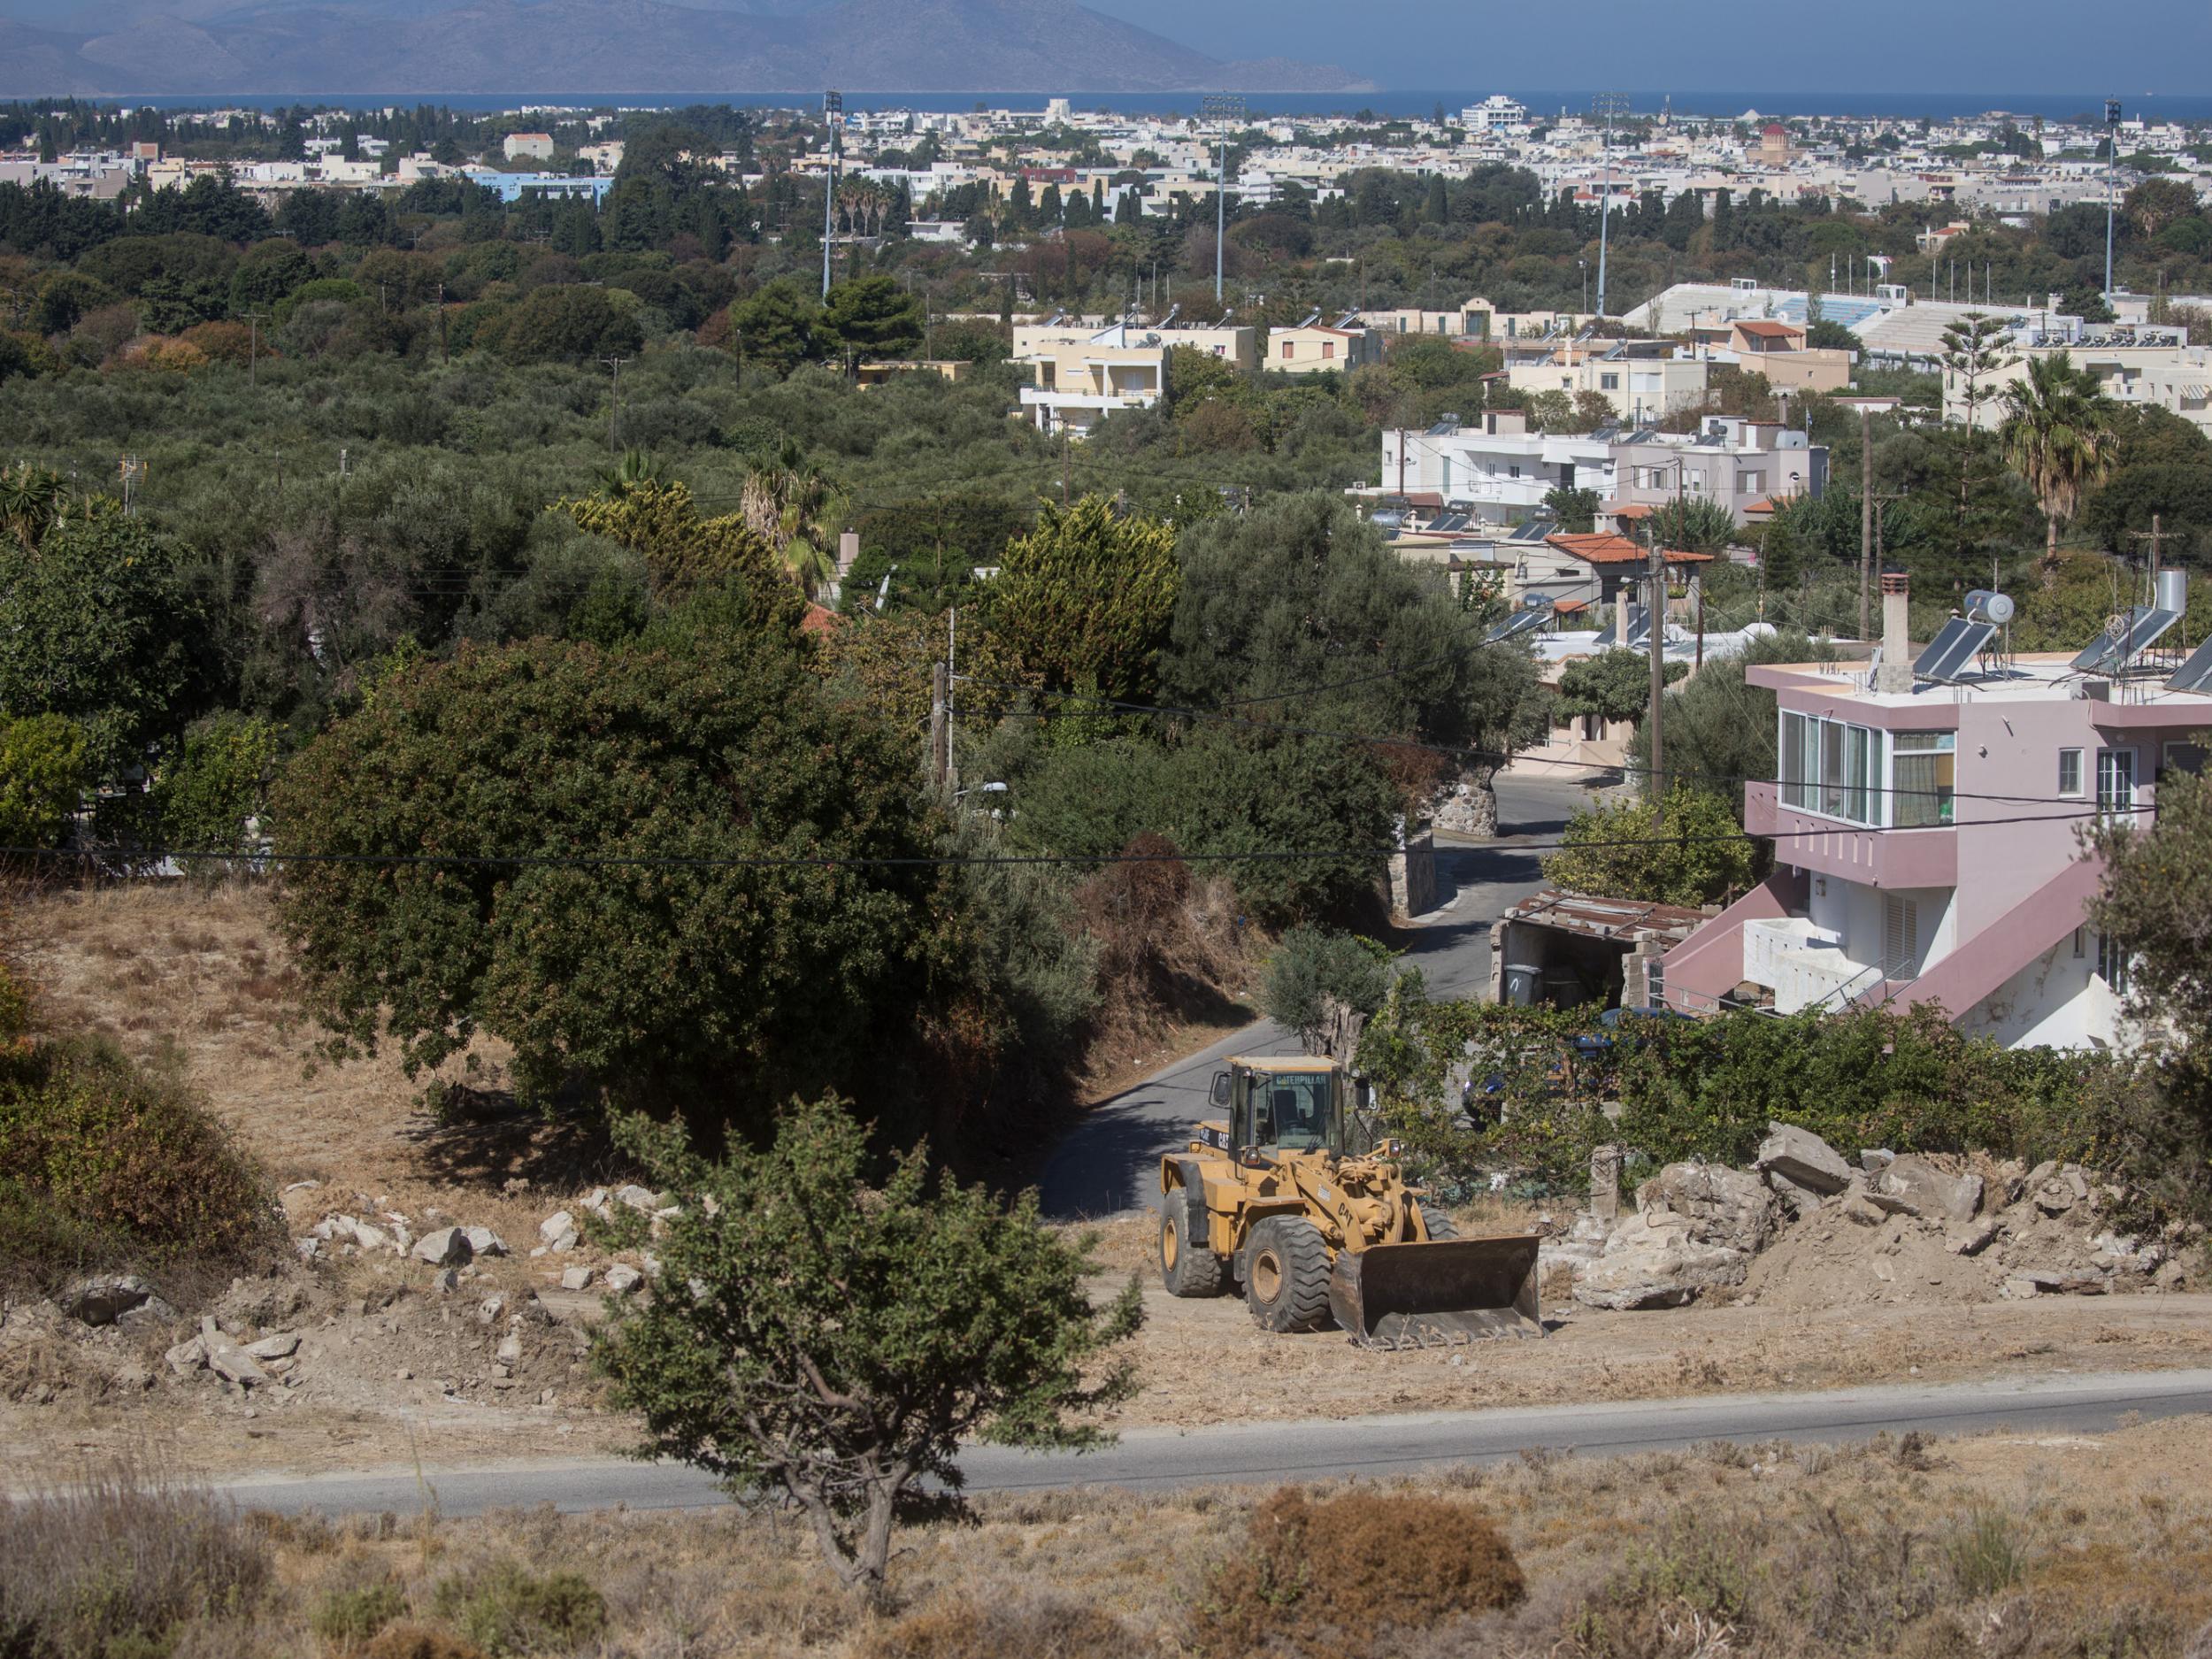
(1888, 858)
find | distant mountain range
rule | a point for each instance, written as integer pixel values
(423, 48)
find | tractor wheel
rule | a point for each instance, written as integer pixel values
(1439, 1224)
(1286, 1276)
(1188, 1266)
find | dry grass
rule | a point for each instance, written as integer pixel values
(2091, 1546)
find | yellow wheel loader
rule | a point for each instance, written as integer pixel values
(1289, 1195)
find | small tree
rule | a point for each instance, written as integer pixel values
(2058, 435)
(1576, 510)
(1084, 598)
(1697, 854)
(1325, 984)
(1615, 686)
(42, 778)
(1693, 525)
(1973, 350)
(208, 792)
(818, 1340)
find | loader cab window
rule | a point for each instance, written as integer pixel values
(1295, 1112)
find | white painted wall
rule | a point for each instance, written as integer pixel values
(2057, 1002)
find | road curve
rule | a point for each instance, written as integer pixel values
(1267, 1452)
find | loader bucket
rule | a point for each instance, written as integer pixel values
(1432, 1296)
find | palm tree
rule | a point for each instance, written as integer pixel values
(798, 512)
(32, 499)
(2058, 435)
(636, 471)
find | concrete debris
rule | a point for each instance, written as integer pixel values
(1804, 1158)
(509, 1349)
(484, 1241)
(596, 1200)
(186, 1357)
(1863, 1209)
(1797, 1202)
(1891, 1203)
(283, 1345)
(105, 1298)
(1977, 1238)
(488, 1310)
(637, 1198)
(1651, 1261)
(1873, 1160)
(558, 1231)
(1728, 1208)
(229, 1361)
(371, 1238)
(576, 1279)
(1931, 1192)
(447, 1247)
(622, 1280)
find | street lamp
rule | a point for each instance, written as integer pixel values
(2111, 165)
(1223, 107)
(1584, 265)
(1609, 104)
(832, 118)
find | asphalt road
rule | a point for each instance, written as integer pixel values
(1108, 1163)
(1155, 1458)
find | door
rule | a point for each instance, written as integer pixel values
(1901, 936)
(2115, 783)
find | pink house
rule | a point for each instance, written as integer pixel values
(1926, 827)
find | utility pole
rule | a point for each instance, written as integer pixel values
(1655, 790)
(2155, 535)
(832, 118)
(1221, 108)
(1609, 104)
(1064, 462)
(443, 355)
(254, 320)
(940, 724)
(1866, 509)
(614, 410)
(131, 470)
(2111, 175)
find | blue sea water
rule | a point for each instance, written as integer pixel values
(2053, 106)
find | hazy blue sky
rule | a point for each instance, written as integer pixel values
(2156, 46)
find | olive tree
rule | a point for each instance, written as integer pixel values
(818, 1340)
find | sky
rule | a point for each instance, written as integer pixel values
(2045, 46)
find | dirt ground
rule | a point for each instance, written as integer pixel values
(391, 1366)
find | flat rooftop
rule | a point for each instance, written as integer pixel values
(2023, 677)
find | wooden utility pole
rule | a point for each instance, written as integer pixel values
(940, 725)
(1063, 462)
(1866, 511)
(1656, 615)
(2155, 535)
(614, 411)
(253, 345)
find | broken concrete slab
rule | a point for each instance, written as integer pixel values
(1977, 1238)
(283, 1345)
(1804, 1158)
(1728, 1208)
(1932, 1192)
(622, 1279)
(576, 1279)
(105, 1298)
(188, 1356)
(1652, 1262)
(484, 1241)
(446, 1247)
(226, 1359)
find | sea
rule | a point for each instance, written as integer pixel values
(2086, 107)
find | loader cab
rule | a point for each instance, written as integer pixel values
(1291, 1105)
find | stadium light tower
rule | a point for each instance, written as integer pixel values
(832, 118)
(1222, 109)
(2111, 166)
(1607, 104)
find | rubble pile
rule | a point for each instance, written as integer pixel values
(1806, 1227)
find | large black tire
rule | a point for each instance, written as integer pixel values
(1188, 1266)
(1286, 1276)
(1439, 1224)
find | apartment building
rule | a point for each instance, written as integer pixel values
(1926, 816)
(1322, 348)
(2138, 366)
(1640, 380)
(1078, 375)
(528, 147)
(1743, 464)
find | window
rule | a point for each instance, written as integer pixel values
(1608, 382)
(1924, 774)
(1901, 936)
(1830, 768)
(2070, 772)
(1513, 472)
(1290, 349)
(1751, 483)
(2182, 755)
(2115, 782)
(1328, 349)
(2112, 961)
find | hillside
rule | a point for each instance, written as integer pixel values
(624, 46)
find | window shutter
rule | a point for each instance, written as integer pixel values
(1901, 936)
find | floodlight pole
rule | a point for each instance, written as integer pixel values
(1609, 104)
(833, 117)
(1222, 107)
(2111, 179)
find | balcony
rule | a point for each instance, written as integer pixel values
(1887, 858)
(1804, 965)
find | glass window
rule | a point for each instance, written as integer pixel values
(1921, 778)
(2116, 781)
(2112, 958)
(1297, 1105)
(2070, 771)
(1795, 791)
(1831, 759)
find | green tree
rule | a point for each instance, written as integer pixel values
(1974, 354)
(1614, 686)
(1693, 525)
(98, 623)
(874, 317)
(216, 785)
(650, 940)
(2058, 435)
(1321, 983)
(1720, 729)
(42, 779)
(1697, 854)
(781, 326)
(1576, 510)
(2158, 899)
(684, 552)
(1084, 598)
(824, 1340)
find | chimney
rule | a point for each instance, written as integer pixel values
(1894, 672)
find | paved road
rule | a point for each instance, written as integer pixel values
(1108, 1163)
(1152, 1458)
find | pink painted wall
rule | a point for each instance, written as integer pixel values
(1709, 962)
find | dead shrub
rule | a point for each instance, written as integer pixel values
(117, 1562)
(1337, 1576)
(1154, 959)
(412, 1640)
(1036, 1627)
